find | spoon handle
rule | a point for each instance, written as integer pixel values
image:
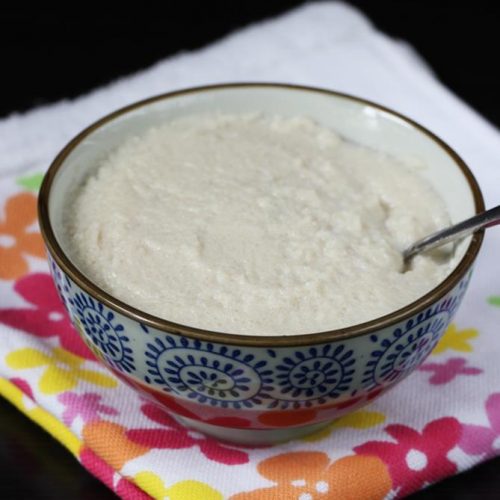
(461, 230)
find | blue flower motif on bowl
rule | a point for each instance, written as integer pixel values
(99, 327)
(61, 281)
(397, 355)
(315, 375)
(211, 374)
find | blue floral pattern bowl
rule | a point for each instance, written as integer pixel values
(243, 388)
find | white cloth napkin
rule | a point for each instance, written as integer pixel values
(329, 45)
(326, 44)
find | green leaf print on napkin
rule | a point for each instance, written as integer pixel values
(494, 300)
(31, 182)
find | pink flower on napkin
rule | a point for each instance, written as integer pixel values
(416, 459)
(173, 435)
(23, 386)
(448, 371)
(88, 406)
(479, 439)
(106, 473)
(47, 318)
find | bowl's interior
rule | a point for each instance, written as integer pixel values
(356, 120)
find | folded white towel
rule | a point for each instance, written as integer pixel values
(327, 44)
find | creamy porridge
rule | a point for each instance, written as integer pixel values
(255, 225)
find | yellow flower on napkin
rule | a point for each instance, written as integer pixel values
(183, 490)
(360, 419)
(63, 370)
(456, 340)
(39, 415)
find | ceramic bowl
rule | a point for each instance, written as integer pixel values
(259, 389)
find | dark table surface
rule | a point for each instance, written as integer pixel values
(48, 54)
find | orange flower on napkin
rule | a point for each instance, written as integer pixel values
(110, 442)
(16, 241)
(309, 474)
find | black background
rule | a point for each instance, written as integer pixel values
(50, 53)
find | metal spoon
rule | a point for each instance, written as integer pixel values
(457, 231)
